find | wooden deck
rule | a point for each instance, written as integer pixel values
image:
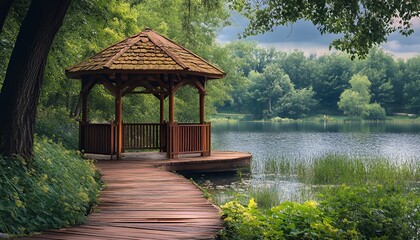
(218, 161)
(145, 202)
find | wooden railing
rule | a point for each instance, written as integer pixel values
(175, 139)
(189, 138)
(144, 136)
(97, 138)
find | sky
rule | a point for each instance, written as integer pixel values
(304, 36)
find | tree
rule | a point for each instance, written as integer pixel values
(4, 9)
(331, 79)
(352, 104)
(267, 88)
(296, 103)
(380, 68)
(412, 84)
(299, 68)
(25, 74)
(363, 23)
(353, 101)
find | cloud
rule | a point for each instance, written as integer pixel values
(304, 36)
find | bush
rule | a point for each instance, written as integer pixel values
(374, 111)
(289, 220)
(55, 189)
(377, 212)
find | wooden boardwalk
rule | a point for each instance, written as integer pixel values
(145, 202)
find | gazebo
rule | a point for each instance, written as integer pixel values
(160, 67)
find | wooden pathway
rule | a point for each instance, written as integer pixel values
(145, 202)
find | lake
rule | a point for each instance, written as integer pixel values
(303, 141)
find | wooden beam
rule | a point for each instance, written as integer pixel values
(129, 87)
(108, 85)
(180, 84)
(199, 86)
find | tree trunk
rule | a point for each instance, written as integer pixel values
(4, 9)
(22, 86)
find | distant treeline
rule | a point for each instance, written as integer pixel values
(268, 83)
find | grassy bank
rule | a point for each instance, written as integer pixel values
(349, 198)
(56, 189)
(234, 117)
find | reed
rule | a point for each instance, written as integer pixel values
(333, 169)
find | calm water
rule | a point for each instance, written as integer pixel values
(306, 140)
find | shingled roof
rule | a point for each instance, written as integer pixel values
(146, 52)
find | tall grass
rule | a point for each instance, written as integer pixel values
(335, 169)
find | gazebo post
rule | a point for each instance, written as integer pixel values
(202, 108)
(202, 93)
(118, 120)
(84, 94)
(170, 152)
(171, 101)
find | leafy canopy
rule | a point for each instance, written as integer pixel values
(363, 23)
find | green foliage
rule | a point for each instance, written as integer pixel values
(56, 189)
(352, 103)
(296, 103)
(355, 101)
(289, 220)
(328, 76)
(363, 23)
(381, 69)
(268, 87)
(374, 111)
(375, 211)
(411, 79)
(56, 125)
(358, 212)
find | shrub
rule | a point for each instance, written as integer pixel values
(374, 111)
(244, 222)
(376, 211)
(55, 189)
(289, 220)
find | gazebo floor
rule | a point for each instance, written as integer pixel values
(143, 201)
(218, 161)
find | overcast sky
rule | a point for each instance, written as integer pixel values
(304, 36)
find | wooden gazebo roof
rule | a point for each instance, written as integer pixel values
(145, 53)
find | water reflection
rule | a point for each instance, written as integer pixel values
(312, 139)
